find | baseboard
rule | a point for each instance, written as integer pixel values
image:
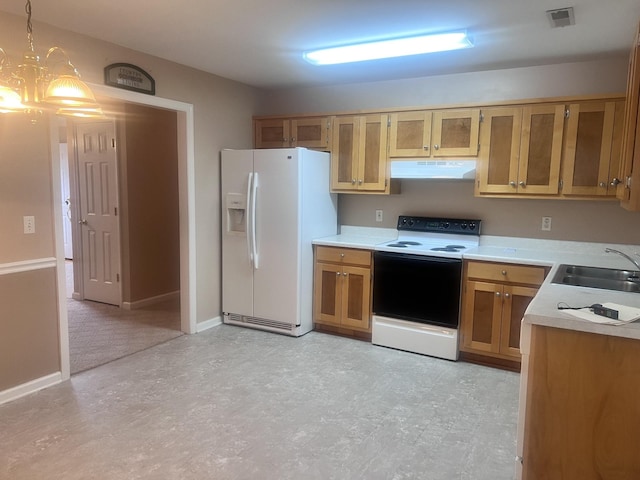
(207, 324)
(30, 387)
(145, 302)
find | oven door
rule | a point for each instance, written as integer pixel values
(417, 288)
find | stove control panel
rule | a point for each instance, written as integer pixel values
(458, 226)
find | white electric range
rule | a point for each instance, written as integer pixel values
(417, 284)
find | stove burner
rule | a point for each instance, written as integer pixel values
(449, 248)
(403, 244)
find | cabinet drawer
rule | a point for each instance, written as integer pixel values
(343, 255)
(506, 272)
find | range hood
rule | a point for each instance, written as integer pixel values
(434, 169)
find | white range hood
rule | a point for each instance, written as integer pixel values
(434, 169)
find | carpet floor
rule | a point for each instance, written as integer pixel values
(100, 333)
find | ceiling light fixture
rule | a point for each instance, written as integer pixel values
(398, 47)
(32, 87)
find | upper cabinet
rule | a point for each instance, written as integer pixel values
(359, 154)
(520, 150)
(628, 182)
(439, 133)
(309, 132)
(592, 145)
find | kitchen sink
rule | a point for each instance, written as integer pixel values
(596, 277)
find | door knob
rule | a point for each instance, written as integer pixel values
(82, 222)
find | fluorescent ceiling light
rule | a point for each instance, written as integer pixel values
(398, 47)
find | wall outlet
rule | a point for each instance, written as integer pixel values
(378, 215)
(29, 223)
(546, 224)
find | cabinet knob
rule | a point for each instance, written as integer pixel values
(284, 140)
(293, 139)
(353, 181)
(615, 182)
(436, 146)
(522, 184)
(507, 295)
(497, 294)
(82, 222)
(342, 255)
(426, 147)
(338, 274)
(512, 184)
(345, 274)
(503, 272)
(602, 184)
(360, 182)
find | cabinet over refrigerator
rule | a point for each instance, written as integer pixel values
(275, 202)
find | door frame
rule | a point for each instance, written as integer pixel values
(186, 200)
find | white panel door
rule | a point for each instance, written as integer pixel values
(276, 280)
(237, 272)
(98, 203)
(66, 202)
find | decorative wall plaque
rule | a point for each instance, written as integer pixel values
(129, 77)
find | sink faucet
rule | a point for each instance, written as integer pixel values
(635, 262)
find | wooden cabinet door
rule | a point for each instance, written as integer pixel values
(631, 135)
(356, 297)
(345, 148)
(272, 133)
(587, 148)
(410, 134)
(540, 149)
(515, 301)
(497, 170)
(327, 293)
(455, 133)
(372, 165)
(310, 132)
(482, 317)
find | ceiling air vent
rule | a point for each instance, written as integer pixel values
(561, 17)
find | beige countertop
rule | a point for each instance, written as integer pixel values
(543, 309)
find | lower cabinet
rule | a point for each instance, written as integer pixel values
(495, 296)
(342, 289)
(581, 410)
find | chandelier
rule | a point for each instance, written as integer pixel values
(34, 87)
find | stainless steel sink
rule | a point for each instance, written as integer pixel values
(595, 277)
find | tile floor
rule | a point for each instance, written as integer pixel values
(234, 403)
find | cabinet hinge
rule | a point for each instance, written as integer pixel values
(481, 116)
(560, 184)
(113, 143)
(118, 277)
(628, 182)
(388, 120)
(567, 113)
(115, 211)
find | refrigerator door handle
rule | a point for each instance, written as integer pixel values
(254, 242)
(248, 219)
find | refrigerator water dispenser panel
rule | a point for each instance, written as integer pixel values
(236, 204)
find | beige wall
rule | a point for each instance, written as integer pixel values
(149, 172)
(596, 221)
(29, 327)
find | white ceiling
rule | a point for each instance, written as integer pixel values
(260, 42)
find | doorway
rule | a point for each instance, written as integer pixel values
(186, 184)
(123, 200)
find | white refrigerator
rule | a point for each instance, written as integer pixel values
(274, 203)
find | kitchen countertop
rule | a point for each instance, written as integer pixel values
(543, 309)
